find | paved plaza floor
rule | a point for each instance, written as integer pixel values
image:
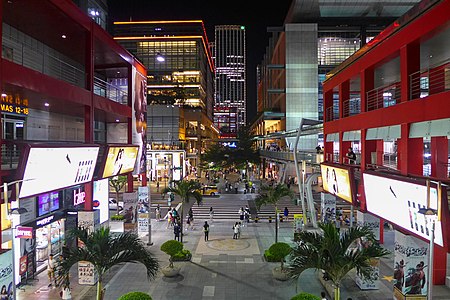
(222, 269)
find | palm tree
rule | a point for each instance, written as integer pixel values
(104, 251)
(185, 190)
(117, 183)
(335, 253)
(271, 195)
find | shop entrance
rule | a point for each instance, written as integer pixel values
(13, 129)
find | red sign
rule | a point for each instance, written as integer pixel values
(23, 265)
(23, 232)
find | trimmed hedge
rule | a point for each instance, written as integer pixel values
(135, 296)
(305, 296)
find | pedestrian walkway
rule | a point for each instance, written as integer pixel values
(221, 268)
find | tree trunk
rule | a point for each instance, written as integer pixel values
(337, 292)
(182, 220)
(100, 291)
(117, 202)
(276, 224)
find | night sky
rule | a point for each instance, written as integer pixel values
(255, 18)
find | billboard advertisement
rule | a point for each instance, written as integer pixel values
(410, 267)
(63, 167)
(139, 118)
(399, 201)
(120, 160)
(6, 278)
(337, 181)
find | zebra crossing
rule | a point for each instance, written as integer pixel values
(226, 207)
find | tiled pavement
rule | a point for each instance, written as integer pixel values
(220, 269)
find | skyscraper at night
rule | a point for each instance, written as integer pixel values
(230, 81)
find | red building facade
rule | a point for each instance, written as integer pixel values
(401, 81)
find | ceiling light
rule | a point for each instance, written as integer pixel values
(46, 104)
(64, 36)
(4, 95)
(117, 120)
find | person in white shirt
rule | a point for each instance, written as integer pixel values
(51, 270)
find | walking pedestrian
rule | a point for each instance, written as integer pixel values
(176, 231)
(236, 187)
(241, 214)
(323, 296)
(286, 213)
(158, 213)
(235, 231)
(157, 186)
(239, 229)
(206, 230)
(51, 270)
(211, 214)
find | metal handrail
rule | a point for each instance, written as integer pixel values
(351, 107)
(430, 81)
(112, 92)
(22, 54)
(384, 96)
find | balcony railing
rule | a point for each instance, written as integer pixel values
(383, 96)
(332, 114)
(352, 107)
(112, 92)
(43, 62)
(430, 81)
(310, 157)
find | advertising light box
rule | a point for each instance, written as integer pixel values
(49, 169)
(101, 199)
(336, 181)
(47, 203)
(120, 160)
(399, 202)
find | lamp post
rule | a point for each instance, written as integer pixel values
(149, 220)
(431, 214)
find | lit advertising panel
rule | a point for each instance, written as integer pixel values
(399, 202)
(47, 203)
(101, 199)
(49, 169)
(336, 181)
(120, 160)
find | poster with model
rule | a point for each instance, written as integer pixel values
(336, 181)
(130, 202)
(410, 266)
(327, 208)
(139, 119)
(6, 278)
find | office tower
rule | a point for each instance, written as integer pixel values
(313, 40)
(230, 98)
(180, 87)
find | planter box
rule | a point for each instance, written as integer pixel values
(117, 226)
(170, 272)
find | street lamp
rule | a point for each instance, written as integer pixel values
(431, 214)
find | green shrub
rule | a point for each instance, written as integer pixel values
(183, 255)
(135, 296)
(269, 257)
(277, 252)
(305, 296)
(171, 248)
(118, 218)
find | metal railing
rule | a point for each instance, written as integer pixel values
(311, 157)
(383, 96)
(352, 107)
(332, 113)
(430, 81)
(112, 92)
(11, 154)
(42, 62)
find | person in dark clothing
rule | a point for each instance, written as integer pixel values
(206, 230)
(176, 231)
(351, 156)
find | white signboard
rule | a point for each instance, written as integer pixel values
(399, 202)
(89, 220)
(63, 167)
(86, 273)
(143, 205)
(101, 201)
(370, 221)
(142, 223)
(328, 207)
